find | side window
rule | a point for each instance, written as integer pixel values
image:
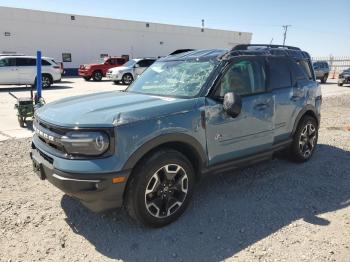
(149, 62)
(245, 77)
(113, 61)
(143, 63)
(120, 61)
(306, 67)
(280, 76)
(25, 61)
(45, 62)
(7, 62)
(66, 57)
(297, 72)
(21, 61)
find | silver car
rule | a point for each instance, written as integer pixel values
(129, 71)
(321, 69)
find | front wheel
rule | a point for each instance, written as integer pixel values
(97, 76)
(127, 79)
(161, 188)
(324, 79)
(305, 139)
(46, 81)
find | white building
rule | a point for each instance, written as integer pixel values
(85, 39)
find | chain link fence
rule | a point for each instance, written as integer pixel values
(336, 64)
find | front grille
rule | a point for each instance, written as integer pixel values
(49, 134)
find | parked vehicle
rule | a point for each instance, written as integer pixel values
(129, 71)
(321, 69)
(21, 70)
(99, 70)
(344, 77)
(187, 115)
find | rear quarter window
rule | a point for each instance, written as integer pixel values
(280, 75)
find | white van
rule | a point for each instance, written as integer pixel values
(21, 70)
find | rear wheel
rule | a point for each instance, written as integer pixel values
(46, 81)
(305, 139)
(127, 79)
(161, 188)
(97, 76)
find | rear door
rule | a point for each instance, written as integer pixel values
(252, 130)
(26, 70)
(8, 71)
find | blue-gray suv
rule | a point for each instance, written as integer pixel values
(189, 114)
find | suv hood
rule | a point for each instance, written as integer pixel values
(110, 109)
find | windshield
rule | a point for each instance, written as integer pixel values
(130, 63)
(174, 78)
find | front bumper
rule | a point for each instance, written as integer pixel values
(84, 73)
(344, 79)
(113, 77)
(95, 191)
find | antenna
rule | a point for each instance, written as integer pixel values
(285, 27)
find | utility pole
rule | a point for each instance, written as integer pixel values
(285, 27)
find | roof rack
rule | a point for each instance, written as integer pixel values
(246, 46)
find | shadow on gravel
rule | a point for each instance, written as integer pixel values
(228, 213)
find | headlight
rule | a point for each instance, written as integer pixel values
(85, 143)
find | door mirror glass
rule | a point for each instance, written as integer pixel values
(232, 104)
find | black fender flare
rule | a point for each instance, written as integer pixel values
(182, 138)
(307, 108)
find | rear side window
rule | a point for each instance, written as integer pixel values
(298, 72)
(45, 63)
(280, 76)
(306, 67)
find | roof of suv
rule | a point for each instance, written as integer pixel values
(239, 50)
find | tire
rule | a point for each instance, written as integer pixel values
(97, 76)
(21, 121)
(46, 81)
(151, 198)
(304, 140)
(324, 79)
(340, 84)
(127, 79)
(87, 78)
(116, 82)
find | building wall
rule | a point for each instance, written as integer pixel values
(26, 31)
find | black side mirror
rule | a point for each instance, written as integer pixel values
(232, 104)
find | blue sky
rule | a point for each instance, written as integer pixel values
(320, 27)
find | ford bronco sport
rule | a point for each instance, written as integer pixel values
(198, 112)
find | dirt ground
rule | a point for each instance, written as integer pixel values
(275, 211)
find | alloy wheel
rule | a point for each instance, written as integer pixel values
(166, 191)
(307, 140)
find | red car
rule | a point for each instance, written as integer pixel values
(97, 71)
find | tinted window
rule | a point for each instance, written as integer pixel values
(298, 72)
(7, 62)
(45, 63)
(306, 68)
(143, 63)
(280, 76)
(120, 61)
(25, 61)
(244, 77)
(149, 62)
(66, 57)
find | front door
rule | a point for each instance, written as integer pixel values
(8, 71)
(252, 130)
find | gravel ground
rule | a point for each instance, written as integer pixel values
(275, 211)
